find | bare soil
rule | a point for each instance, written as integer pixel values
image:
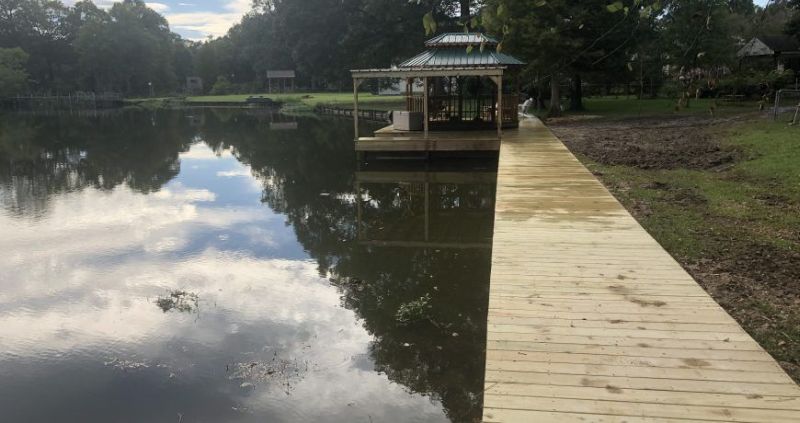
(758, 284)
(647, 143)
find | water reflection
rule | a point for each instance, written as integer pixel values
(354, 296)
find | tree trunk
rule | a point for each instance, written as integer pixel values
(555, 97)
(465, 12)
(576, 100)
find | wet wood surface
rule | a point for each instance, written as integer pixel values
(591, 320)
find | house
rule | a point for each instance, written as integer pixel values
(778, 52)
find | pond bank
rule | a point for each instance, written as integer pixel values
(291, 102)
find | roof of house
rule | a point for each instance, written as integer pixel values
(780, 43)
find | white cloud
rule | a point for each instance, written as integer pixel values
(209, 23)
(85, 280)
(234, 173)
(158, 7)
(195, 25)
(203, 152)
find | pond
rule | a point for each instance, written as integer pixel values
(233, 265)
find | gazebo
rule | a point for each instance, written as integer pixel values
(469, 95)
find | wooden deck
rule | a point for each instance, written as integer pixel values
(591, 320)
(391, 140)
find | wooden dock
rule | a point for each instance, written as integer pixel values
(591, 320)
(390, 140)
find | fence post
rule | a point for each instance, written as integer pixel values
(777, 103)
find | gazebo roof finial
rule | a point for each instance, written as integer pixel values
(460, 39)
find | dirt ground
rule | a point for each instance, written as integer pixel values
(757, 283)
(647, 143)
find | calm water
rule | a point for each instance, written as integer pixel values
(218, 265)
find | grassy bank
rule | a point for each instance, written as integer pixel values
(293, 101)
(622, 107)
(728, 210)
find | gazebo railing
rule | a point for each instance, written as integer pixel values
(448, 108)
(415, 103)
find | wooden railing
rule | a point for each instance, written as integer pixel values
(415, 103)
(366, 114)
(446, 108)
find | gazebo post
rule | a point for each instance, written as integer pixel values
(425, 105)
(500, 106)
(498, 80)
(356, 83)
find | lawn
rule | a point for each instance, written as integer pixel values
(292, 101)
(309, 99)
(618, 107)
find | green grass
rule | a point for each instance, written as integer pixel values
(310, 99)
(293, 102)
(698, 203)
(621, 107)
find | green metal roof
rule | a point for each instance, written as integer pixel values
(458, 56)
(451, 50)
(451, 39)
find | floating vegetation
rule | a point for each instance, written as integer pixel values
(125, 365)
(414, 311)
(253, 373)
(182, 301)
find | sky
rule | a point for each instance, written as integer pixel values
(195, 19)
(198, 19)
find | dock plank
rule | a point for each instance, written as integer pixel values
(591, 320)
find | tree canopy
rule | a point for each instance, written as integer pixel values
(130, 48)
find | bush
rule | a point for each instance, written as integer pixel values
(222, 86)
(755, 83)
(13, 78)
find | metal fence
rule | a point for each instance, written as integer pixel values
(787, 105)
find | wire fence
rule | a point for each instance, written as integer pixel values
(787, 106)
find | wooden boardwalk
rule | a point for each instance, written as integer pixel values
(390, 140)
(590, 320)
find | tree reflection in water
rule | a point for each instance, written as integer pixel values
(409, 250)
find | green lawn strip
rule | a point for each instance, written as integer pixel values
(622, 107)
(311, 99)
(753, 195)
(294, 103)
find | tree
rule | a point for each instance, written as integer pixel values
(697, 34)
(793, 26)
(36, 27)
(559, 38)
(13, 78)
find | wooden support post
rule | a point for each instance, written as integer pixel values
(425, 105)
(499, 106)
(498, 80)
(359, 213)
(356, 83)
(427, 211)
